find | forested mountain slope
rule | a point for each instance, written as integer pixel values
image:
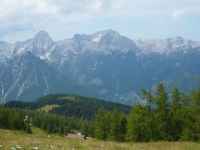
(70, 105)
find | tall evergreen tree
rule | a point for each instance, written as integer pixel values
(122, 127)
(28, 129)
(66, 130)
(191, 129)
(4, 120)
(102, 124)
(91, 130)
(61, 131)
(84, 129)
(20, 121)
(114, 126)
(137, 127)
(162, 111)
(146, 95)
(175, 114)
(55, 129)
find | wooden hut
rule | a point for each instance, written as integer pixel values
(76, 136)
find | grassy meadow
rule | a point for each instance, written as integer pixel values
(39, 140)
(46, 108)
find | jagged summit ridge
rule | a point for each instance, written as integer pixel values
(165, 45)
(99, 42)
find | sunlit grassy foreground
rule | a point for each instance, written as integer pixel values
(39, 140)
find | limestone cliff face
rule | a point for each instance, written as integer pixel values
(26, 77)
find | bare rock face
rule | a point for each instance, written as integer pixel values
(165, 46)
(26, 77)
(41, 46)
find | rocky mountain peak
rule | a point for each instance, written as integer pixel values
(97, 36)
(42, 40)
(41, 34)
(176, 40)
(179, 38)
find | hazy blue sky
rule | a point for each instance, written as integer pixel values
(135, 19)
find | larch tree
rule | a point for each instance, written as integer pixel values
(175, 114)
(146, 95)
(122, 127)
(162, 111)
(136, 126)
(114, 126)
(84, 129)
(102, 124)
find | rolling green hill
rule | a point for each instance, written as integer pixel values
(70, 105)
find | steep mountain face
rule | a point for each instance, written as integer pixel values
(26, 77)
(157, 68)
(6, 50)
(41, 46)
(112, 66)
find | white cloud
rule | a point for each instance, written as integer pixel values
(34, 15)
(177, 14)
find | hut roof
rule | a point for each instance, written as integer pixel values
(76, 136)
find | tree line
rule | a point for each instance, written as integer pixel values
(51, 123)
(13, 119)
(174, 117)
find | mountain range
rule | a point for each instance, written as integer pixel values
(104, 65)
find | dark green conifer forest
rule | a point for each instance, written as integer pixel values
(175, 117)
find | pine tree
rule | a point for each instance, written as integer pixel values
(55, 130)
(114, 126)
(48, 131)
(66, 130)
(36, 121)
(175, 114)
(191, 129)
(44, 124)
(146, 95)
(84, 129)
(13, 121)
(137, 127)
(28, 129)
(102, 124)
(4, 122)
(91, 130)
(21, 122)
(61, 131)
(162, 110)
(122, 127)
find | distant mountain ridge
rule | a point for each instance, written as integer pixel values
(104, 42)
(166, 46)
(104, 64)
